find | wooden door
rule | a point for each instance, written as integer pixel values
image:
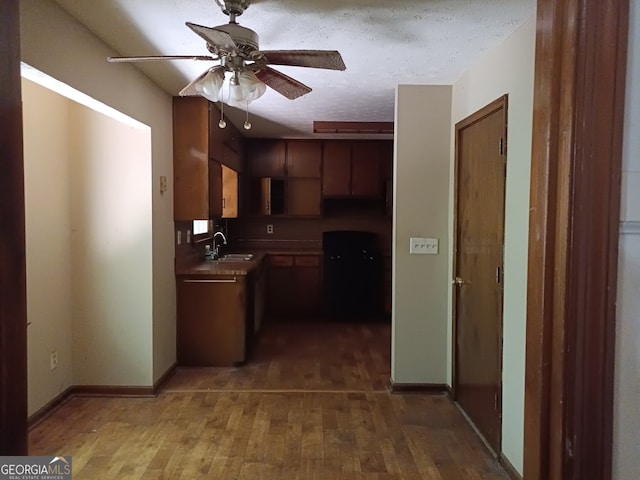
(336, 174)
(478, 282)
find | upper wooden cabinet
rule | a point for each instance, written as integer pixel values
(200, 148)
(304, 159)
(190, 158)
(355, 168)
(267, 158)
(336, 174)
(229, 192)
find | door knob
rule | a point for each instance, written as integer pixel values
(458, 281)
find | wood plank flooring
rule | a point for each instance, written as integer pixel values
(311, 403)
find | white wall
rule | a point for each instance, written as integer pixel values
(110, 169)
(88, 240)
(55, 43)
(626, 442)
(508, 69)
(421, 195)
(48, 242)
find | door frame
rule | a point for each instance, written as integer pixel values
(499, 103)
(13, 303)
(581, 49)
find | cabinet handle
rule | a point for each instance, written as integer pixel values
(226, 280)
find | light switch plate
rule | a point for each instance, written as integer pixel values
(423, 246)
(179, 235)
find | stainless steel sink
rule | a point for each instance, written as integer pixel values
(236, 257)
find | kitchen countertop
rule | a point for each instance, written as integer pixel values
(237, 268)
(222, 268)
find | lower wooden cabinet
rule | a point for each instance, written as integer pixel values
(212, 319)
(294, 286)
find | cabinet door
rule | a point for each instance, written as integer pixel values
(280, 285)
(267, 158)
(304, 158)
(307, 296)
(215, 190)
(190, 158)
(336, 174)
(229, 192)
(211, 322)
(303, 196)
(366, 177)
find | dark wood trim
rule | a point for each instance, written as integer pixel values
(110, 391)
(162, 381)
(100, 391)
(429, 388)
(49, 408)
(13, 306)
(510, 469)
(573, 237)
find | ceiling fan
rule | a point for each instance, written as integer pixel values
(237, 50)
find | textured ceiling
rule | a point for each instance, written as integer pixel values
(383, 43)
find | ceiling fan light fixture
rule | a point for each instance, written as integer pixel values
(210, 86)
(244, 88)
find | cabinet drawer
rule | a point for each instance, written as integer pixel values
(307, 260)
(281, 260)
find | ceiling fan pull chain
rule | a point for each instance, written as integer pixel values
(247, 124)
(222, 123)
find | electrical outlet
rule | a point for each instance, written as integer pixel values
(269, 228)
(53, 360)
(423, 246)
(188, 236)
(179, 237)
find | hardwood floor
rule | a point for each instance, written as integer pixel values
(312, 403)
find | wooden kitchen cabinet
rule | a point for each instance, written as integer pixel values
(199, 151)
(355, 168)
(303, 197)
(286, 177)
(215, 190)
(304, 159)
(212, 317)
(229, 192)
(336, 174)
(267, 158)
(294, 286)
(366, 175)
(190, 158)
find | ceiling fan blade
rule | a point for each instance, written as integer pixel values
(153, 58)
(215, 38)
(190, 90)
(282, 83)
(328, 59)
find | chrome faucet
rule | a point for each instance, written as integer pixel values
(216, 247)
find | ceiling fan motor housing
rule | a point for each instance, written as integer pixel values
(245, 39)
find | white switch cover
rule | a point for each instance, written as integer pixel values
(179, 237)
(188, 236)
(423, 246)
